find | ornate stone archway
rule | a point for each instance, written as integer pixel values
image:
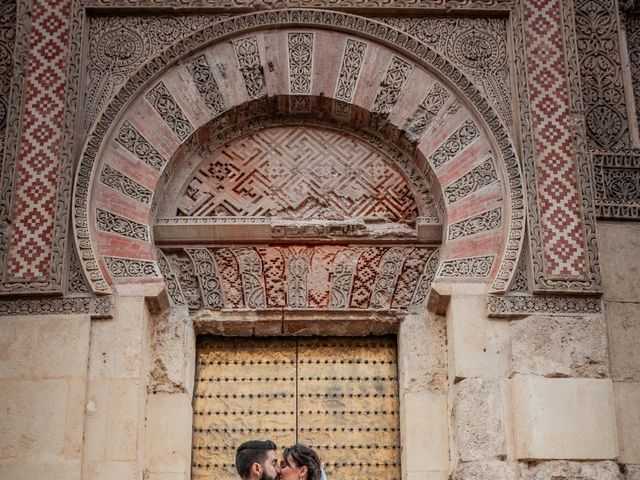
(267, 65)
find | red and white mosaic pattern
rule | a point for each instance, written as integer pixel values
(33, 213)
(561, 218)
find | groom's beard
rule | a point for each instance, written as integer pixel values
(266, 476)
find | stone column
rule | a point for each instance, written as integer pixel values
(423, 397)
(114, 424)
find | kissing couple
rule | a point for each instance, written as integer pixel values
(257, 460)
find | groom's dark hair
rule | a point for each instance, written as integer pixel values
(253, 451)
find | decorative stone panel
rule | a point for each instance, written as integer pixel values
(616, 181)
(245, 62)
(335, 277)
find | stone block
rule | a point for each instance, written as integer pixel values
(559, 470)
(478, 346)
(168, 433)
(564, 418)
(560, 346)
(172, 350)
(426, 475)
(166, 476)
(117, 344)
(44, 346)
(618, 245)
(631, 472)
(422, 353)
(486, 471)
(424, 428)
(54, 470)
(33, 426)
(479, 417)
(623, 324)
(112, 420)
(627, 398)
(110, 471)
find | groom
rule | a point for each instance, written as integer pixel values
(256, 460)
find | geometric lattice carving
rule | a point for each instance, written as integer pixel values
(616, 180)
(335, 277)
(299, 172)
(34, 196)
(561, 216)
(601, 73)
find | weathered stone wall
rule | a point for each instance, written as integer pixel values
(620, 243)
(43, 388)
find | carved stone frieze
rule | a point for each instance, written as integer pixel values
(250, 65)
(518, 305)
(477, 46)
(123, 184)
(162, 100)
(486, 221)
(133, 141)
(97, 307)
(131, 268)
(481, 176)
(601, 73)
(7, 44)
(352, 58)
(632, 27)
(206, 83)
(300, 47)
(452, 146)
(467, 267)
(335, 277)
(394, 79)
(426, 111)
(209, 278)
(118, 45)
(113, 223)
(616, 180)
(438, 6)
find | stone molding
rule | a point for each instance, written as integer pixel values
(386, 35)
(521, 305)
(97, 307)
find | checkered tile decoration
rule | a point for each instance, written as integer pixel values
(561, 220)
(35, 194)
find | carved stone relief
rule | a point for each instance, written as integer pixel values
(166, 106)
(632, 26)
(426, 112)
(299, 172)
(461, 139)
(7, 43)
(477, 46)
(131, 139)
(249, 60)
(131, 268)
(300, 62)
(486, 221)
(352, 59)
(124, 185)
(397, 74)
(113, 223)
(206, 83)
(119, 45)
(415, 50)
(481, 176)
(616, 180)
(276, 277)
(509, 305)
(467, 267)
(601, 72)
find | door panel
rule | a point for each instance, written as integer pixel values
(338, 395)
